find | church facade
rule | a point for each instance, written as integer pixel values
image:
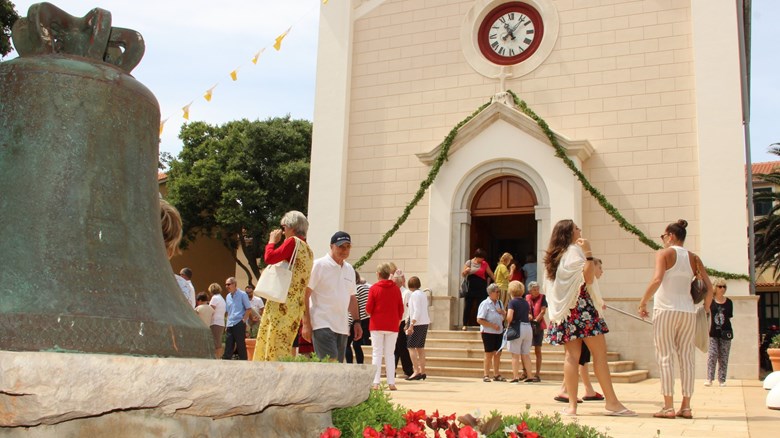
(644, 95)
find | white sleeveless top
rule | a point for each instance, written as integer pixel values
(675, 290)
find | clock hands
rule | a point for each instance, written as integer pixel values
(509, 32)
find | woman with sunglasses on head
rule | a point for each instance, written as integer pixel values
(674, 315)
(721, 334)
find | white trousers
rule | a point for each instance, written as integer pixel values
(673, 332)
(383, 344)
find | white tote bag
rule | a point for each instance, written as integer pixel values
(275, 280)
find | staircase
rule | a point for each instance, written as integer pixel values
(451, 353)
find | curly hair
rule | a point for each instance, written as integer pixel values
(559, 241)
(171, 227)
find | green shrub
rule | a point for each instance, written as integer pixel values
(548, 426)
(376, 411)
(305, 358)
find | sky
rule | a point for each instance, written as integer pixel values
(191, 45)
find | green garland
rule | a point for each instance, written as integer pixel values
(560, 152)
(440, 159)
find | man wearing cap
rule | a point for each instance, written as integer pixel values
(329, 297)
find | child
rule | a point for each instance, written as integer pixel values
(205, 312)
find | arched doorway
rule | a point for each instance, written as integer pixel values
(503, 219)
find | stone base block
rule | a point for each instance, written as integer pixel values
(61, 394)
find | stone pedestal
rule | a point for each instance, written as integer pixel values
(56, 394)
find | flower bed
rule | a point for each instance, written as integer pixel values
(377, 417)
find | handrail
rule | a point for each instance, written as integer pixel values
(629, 314)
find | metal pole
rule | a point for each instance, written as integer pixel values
(743, 64)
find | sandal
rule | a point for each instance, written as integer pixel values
(667, 413)
(499, 378)
(486, 379)
(685, 413)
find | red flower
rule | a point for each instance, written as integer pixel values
(522, 427)
(529, 434)
(331, 432)
(512, 435)
(467, 432)
(449, 433)
(389, 432)
(369, 432)
(412, 416)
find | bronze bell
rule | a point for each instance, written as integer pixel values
(82, 261)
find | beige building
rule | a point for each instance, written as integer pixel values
(644, 94)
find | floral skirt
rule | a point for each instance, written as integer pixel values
(583, 321)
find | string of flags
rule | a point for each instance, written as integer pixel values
(209, 93)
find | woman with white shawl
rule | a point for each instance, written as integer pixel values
(573, 298)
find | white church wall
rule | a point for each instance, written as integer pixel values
(640, 80)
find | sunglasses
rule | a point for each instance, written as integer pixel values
(720, 287)
(664, 235)
(283, 227)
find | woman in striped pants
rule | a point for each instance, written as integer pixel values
(674, 315)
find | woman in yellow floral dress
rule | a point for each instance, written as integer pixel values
(280, 321)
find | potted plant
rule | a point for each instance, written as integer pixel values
(774, 352)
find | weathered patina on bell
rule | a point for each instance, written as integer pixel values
(82, 261)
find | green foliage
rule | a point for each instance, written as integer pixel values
(307, 358)
(548, 426)
(376, 411)
(438, 162)
(235, 181)
(767, 228)
(775, 342)
(560, 152)
(8, 17)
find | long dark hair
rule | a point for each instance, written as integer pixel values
(559, 241)
(678, 229)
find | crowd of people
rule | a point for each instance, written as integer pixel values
(329, 311)
(328, 303)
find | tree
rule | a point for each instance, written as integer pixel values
(235, 181)
(8, 17)
(767, 228)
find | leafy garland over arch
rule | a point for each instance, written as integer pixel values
(560, 152)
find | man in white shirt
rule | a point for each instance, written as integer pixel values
(329, 297)
(186, 274)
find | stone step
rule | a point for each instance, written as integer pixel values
(456, 353)
(475, 362)
(472, 351)
(632, 376)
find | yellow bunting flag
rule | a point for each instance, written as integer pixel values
(186, 110)
(209, 92)
(162, 125)
(234, 75)
(324, 2)
(278, 43)
(257, 56)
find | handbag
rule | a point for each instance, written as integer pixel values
(513, 331)
(702, 335)
(274, 282)
(464, 288)
(698, 289)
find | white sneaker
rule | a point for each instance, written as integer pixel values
(708, 383)
(722, 384)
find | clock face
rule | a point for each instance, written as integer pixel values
(510, 33)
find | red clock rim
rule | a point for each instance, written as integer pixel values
(492, 16)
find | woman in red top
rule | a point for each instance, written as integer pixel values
(386, 308)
